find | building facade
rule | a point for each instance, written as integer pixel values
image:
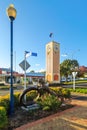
(5, 76)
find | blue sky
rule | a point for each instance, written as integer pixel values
(67, 19)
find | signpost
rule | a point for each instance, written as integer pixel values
(25, 65)
(74, 75)
(22, 65)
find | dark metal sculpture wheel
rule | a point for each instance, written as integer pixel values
(35, 93)
(31, 99)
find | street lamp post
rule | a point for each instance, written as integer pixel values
(25, 74)
(11, 13)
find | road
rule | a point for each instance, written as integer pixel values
(20, 89)
(80, 97)
(7, 91)
(4, 92)
(81, 85)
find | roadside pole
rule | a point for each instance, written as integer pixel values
(25, 75)
(74, 75)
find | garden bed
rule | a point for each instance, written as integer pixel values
(22, 117)
(49, 102)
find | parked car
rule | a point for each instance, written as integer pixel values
(68, 79)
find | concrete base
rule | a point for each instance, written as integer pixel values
(31, 107)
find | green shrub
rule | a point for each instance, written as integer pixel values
(4, 101)
(32, 95)
(49, 102)
(16, 99)
(62, 92)
(3, 118)
(66, 93)
(79, 90)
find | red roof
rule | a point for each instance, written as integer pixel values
(83, 68)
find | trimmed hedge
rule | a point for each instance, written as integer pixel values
(3, 118)
(4, 101)
(78, 90)
(62, 92)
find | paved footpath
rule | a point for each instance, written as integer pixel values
(72, 119)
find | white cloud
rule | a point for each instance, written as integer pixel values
(64, 55)
(37, 64)
(41, 70)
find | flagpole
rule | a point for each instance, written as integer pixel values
(25, 55)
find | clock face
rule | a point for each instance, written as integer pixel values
(48, 49)
(56, 48)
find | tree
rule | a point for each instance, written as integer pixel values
(32, 71)
(74, 65)
(67, 66)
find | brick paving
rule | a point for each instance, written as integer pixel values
(72, 119)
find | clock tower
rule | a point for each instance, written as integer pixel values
(53, 62)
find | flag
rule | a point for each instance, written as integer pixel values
(27, 54)
(51, 34)
(33, 54)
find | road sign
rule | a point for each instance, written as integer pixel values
(24, 65)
